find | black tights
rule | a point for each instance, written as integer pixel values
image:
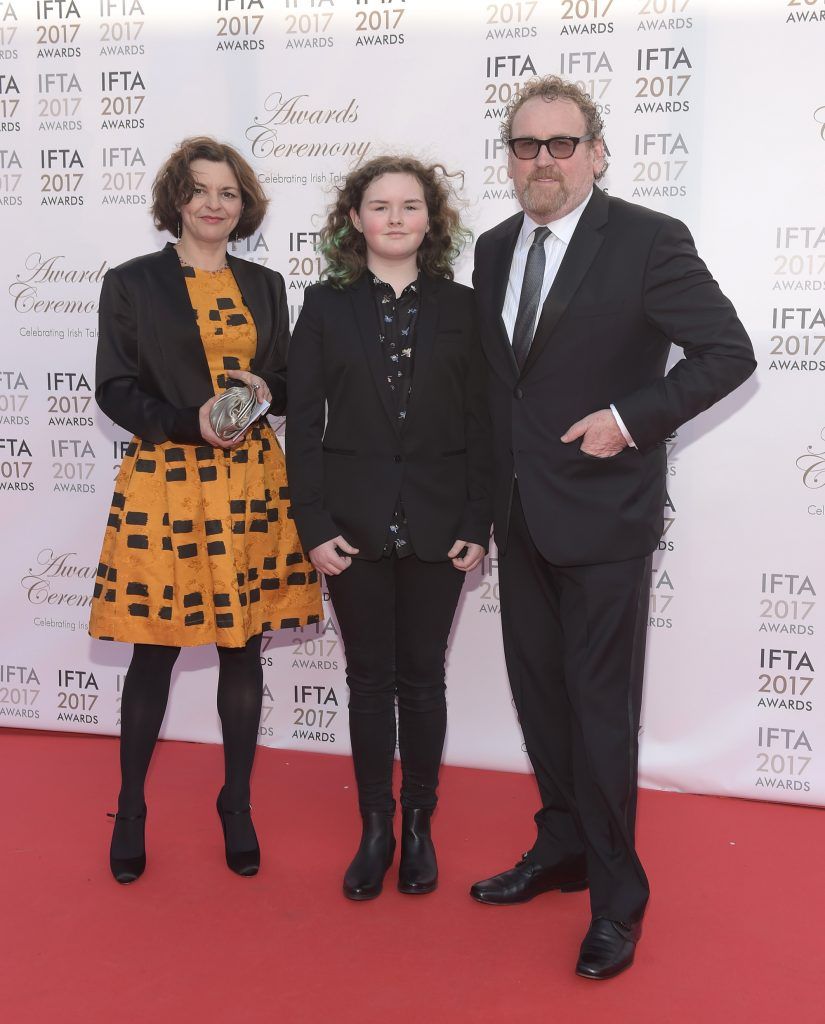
(145, 694)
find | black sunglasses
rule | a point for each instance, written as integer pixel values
(560, 147)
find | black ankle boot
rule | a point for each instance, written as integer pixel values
(418, 872)
(365, 875)
(128, 832)
(244, 861)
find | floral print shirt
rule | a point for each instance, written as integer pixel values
(397, 317)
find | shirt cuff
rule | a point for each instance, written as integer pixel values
(621, 426)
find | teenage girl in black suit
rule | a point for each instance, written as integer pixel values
(388, 446)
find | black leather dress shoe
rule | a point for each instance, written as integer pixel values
(364, 879)
(608, 948)
(528, 879)
(418, 871)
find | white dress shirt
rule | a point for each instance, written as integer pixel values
(555, 246)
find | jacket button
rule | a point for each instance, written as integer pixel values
(397, 458)
(518, 393)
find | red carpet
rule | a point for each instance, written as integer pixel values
(734, 931)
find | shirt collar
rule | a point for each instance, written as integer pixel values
(411, 289)
(562, 228)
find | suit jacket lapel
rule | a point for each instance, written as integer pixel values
(586, 241)
(176, 329)
(425, 330)
(500, 270)
(365, 316)
(253, 290)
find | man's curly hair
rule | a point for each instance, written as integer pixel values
(551, 88)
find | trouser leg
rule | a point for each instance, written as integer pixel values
(426, 598)
(604, 619)
(364, 600)
(534, 653)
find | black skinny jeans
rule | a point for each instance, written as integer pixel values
(395, 617)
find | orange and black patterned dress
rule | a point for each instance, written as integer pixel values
(200, 545)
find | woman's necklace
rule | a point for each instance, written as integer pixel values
(185, 262)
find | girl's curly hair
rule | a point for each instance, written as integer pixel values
(345, 249)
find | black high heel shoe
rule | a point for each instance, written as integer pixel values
(127, 869)
(364, 879)
(242, 862)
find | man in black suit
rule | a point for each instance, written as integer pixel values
(581, 297)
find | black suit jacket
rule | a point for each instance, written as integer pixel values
(346, 474)
(152, 375)
(631, 284)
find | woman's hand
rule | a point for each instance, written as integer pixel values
(258, 384)
(471, 557)
(326, 558)
(207, 433)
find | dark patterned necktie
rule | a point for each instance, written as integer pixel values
(528, 302)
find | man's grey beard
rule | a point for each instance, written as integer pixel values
(544, 205)
(533, 201)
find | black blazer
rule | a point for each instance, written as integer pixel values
(346, 475)
(631, 284)
(152, 375)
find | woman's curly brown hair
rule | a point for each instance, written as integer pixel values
(174, 185)
(345, 249)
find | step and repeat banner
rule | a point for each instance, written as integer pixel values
(715, 113)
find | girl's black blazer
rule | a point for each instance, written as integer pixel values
(348, 460)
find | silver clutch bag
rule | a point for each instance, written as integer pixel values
(236, 409)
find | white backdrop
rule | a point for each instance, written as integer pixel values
(715, 113)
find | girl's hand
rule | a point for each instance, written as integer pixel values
(473, 553)
(327, 559)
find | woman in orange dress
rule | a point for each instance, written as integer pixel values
(200, 546)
